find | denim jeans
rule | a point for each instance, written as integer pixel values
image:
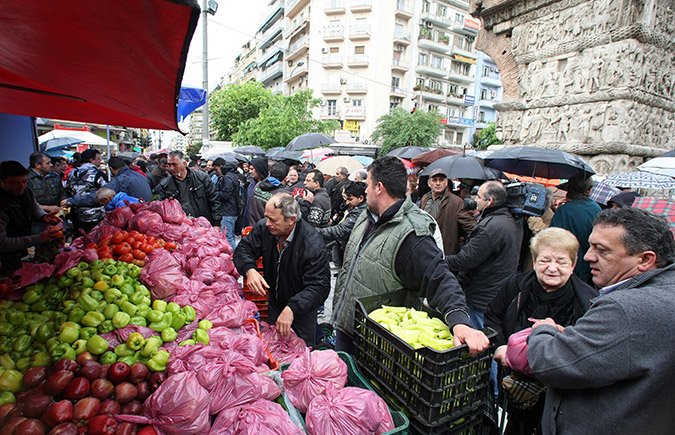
(227, 226)
(476, 317)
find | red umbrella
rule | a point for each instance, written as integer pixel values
(658, 206)
(429, 157)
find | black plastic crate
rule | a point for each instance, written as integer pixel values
(433, 387)
(470, 424)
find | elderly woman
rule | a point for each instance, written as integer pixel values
(550, 290)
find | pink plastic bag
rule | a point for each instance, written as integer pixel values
(179, 406)
(310, 374)
(516, 352)
(261, 417)
(348, 411)
(270, 388)
(232, 314)
(99, 231)
(283, 350)
(163, 275)
(147, 222)
(31, 273)
(119, 217)
(66, 260)
(172, 212)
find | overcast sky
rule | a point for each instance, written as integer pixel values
(234, 23)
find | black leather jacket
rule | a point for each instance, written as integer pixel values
(203, 198)
(48, 190)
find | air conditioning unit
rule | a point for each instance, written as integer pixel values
(399, 47)
(323, 102)
(324, 50)
(428, 24)
(345, 99)
(343, 80)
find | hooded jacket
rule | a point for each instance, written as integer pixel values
(132, 183)
(340, 233)
(203, 198)
(83, 180)
(228, 188)
(262, 192)
(317, 212)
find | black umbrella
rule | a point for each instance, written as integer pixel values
(230, 157)
(286, 157)
(250, 149)
(309, 140)
(461, 166)
(538, 162)
(408, 152)
(59, 143)
(128, 154)
(272, 151)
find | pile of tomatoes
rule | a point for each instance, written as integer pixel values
(130, 247)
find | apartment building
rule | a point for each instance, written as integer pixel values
(245, 66)
(365, 57)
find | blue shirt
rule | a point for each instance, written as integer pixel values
(118, 201)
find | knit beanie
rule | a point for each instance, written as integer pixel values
(261, 167)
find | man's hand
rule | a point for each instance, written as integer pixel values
(51, 218)
(51, 208)
(64, 203)
(548, 321)
(308, 196)
(51, 233)
(476, 340)
(284, 322)
(500, 355)
(256, 282)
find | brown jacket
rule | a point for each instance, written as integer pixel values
(453, 220)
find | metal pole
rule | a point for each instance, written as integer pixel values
(107, 134)
(205, 72)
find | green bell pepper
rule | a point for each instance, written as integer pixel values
(93, 319)
(127, 289)
(76, 314)
(22, 306)
(135, 341)
(201, 336)
(6, 328)
(110, 310)
(190, 313)
(83, 265)
(169, 334)
(70, 332)
(139, 357)
(51, 344)
(111, 294)
(41, 359)
(116, 280)
(129, 308)
(6, 362)
(73, 272)
(87, 332)
(22, 343)
(159, 305)
(178, 320)
(146, 301)
(31, 296)
(97, 345)
(108, 357)
(87, 302)
(68, 305)
(123, 350)
(138, 321)
(154, 316)
(63, 350)
(142, 309)
(40, 306)
(189, 342)
(10, 380)
(136, 297)
(173, 307)
(162, 324)
(97, 295)
(120, 320)
(134, 271)
(16, 317)
(87, 282)
(127, 359)
(205, 324)
(101, 306)
(151, 346)
(7, 397)
(65, 281)
(158, 362)
(23, 364)
(106, 327)
(80, 346)
(110, 270)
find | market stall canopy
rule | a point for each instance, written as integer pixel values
(106, 62)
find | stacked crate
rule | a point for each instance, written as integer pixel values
(260, 301)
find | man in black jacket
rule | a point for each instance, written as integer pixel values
(315, 202)
(263, 191)
(229, 192)
(490, 253)
(295, 265)
(193, 189)
(45, 184)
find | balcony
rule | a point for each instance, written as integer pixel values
(459, 122)
(398, 92)
(358, 61)
(461, 4)
(332, 61)
(487, 103)
(400, 65)
(357, 88)
(293, 7)
(461, 78)
(355, 112)
(439, 46)
(359, 32)
(469, 27)
(431, 71)
(271, 73)
(402, 38)
(455, 99)
(333, 33)
(296, 72)
(438, 20)
(334, 7)
(268, 37)
(403, 11)
(330, 112)
(361, 5)
(464, 51)
(433, 94)
(298, 48)
(301, 26)
(331, 89)
(492, 79)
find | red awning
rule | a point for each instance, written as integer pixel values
(104, 61)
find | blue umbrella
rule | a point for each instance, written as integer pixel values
(365, 161)
(189, 100)
(59, 143)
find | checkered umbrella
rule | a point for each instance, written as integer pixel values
(660, 207)
(641, 180)
(410, 167)
(603, 192)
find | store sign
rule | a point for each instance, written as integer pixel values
(460, 121)
(469, 100)
(351, 125)
(472, 24)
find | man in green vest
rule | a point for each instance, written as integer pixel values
(391, 248)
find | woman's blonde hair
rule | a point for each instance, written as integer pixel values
(555, 238)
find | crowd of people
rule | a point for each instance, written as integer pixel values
(595, 287)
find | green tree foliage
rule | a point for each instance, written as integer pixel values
(486, 137)
(400, 128)
(234, 104)
(282, 120)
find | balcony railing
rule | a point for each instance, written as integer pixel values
(397, 90)
(332, 60)
(402, 37)
(358, 59)
(360, 31)
(357, 88)
(330, 112)
(334, 7)
(399, 63)
(333, 32)
(361, 5)
(331, 88)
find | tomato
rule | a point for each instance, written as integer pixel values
(160, 243)
(132, 234)
(104, 255)
(93, 246)
(139, 263)
(127, 258)
(119, 237)
(147, 248)
(136, 244)
(150, 240)
(140, 237)
(171, 246)
(122, 249)
(138, 254)
(105, 241)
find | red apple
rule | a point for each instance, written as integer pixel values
(77, 388)
(65, 364)
(11, 425)
(34, 376)
(142, 391)
(58, 413)
(85, 409)
(126, 428)
(134, 407)
(104, 371)
(109, 407)
(25, 395)
(57, 382)
(125, 392)
(102, 425)
(118, 372)
(36, 405)
(90, 369)
(32, 426)
(102, 388)
(85, 356)
(64, 429)
(138, 372)
(7, 411)
(156, 380)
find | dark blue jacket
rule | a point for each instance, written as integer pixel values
(132, 183)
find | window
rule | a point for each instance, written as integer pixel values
(395, 102)
(432, 107)
(459, 18)
(484, 94)
(437, 62)
(357, 103)
(423, 59)
(433, 84)
(481, 117)
(395, 82)
(332, 108)
(442, 11)
(486, 71)
(452, 89)
(458, 138)
(359, 49)
(426, 6)
(420, 82)
(398, 30)
(334, 49)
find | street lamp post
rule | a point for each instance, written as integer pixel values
(208, 7)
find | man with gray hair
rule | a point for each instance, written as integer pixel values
(612, 371)
(295, 266)
(490, 254)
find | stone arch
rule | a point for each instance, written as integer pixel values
(498, 47)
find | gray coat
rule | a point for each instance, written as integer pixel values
(613, 372)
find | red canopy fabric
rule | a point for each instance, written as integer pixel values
(104, 61)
